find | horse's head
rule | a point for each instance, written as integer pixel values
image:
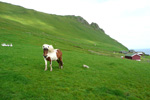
(49, 47)
(45, 52)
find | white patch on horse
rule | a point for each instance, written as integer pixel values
(53, 55)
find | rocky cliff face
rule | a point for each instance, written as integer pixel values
(82, 20)
(95, 26)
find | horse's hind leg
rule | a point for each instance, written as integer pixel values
(59, 63)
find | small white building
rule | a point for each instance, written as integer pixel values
(140, 53)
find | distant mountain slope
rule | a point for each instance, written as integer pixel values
(24, 26)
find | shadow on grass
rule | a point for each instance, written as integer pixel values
(8, 76)
(104, 91)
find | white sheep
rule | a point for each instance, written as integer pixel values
(6, 45)
(85, 66)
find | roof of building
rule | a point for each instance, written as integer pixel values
(125, 52)
(139, 52)
(131, 54)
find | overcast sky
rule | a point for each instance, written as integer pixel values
(127, 21)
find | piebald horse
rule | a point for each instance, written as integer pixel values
(51, 54)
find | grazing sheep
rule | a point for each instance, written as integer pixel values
(6, 45)
(85, 66)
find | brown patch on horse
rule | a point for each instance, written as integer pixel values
(48, 59)
(45, 51)
(59, 56)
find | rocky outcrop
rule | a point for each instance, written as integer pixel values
(95, 26)
(82, 20)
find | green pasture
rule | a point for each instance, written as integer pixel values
(22, 75)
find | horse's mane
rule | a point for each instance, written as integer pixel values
(49, 47)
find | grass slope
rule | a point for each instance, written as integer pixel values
(64, 29)
(22, 74)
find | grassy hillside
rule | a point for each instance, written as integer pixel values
(22, 75)
(66, 29)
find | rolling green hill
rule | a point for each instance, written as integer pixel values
(72, 31)
(22, 75)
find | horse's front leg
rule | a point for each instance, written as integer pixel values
(51, 66)
(45, 64)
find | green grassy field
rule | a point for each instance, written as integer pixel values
(22, 75)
